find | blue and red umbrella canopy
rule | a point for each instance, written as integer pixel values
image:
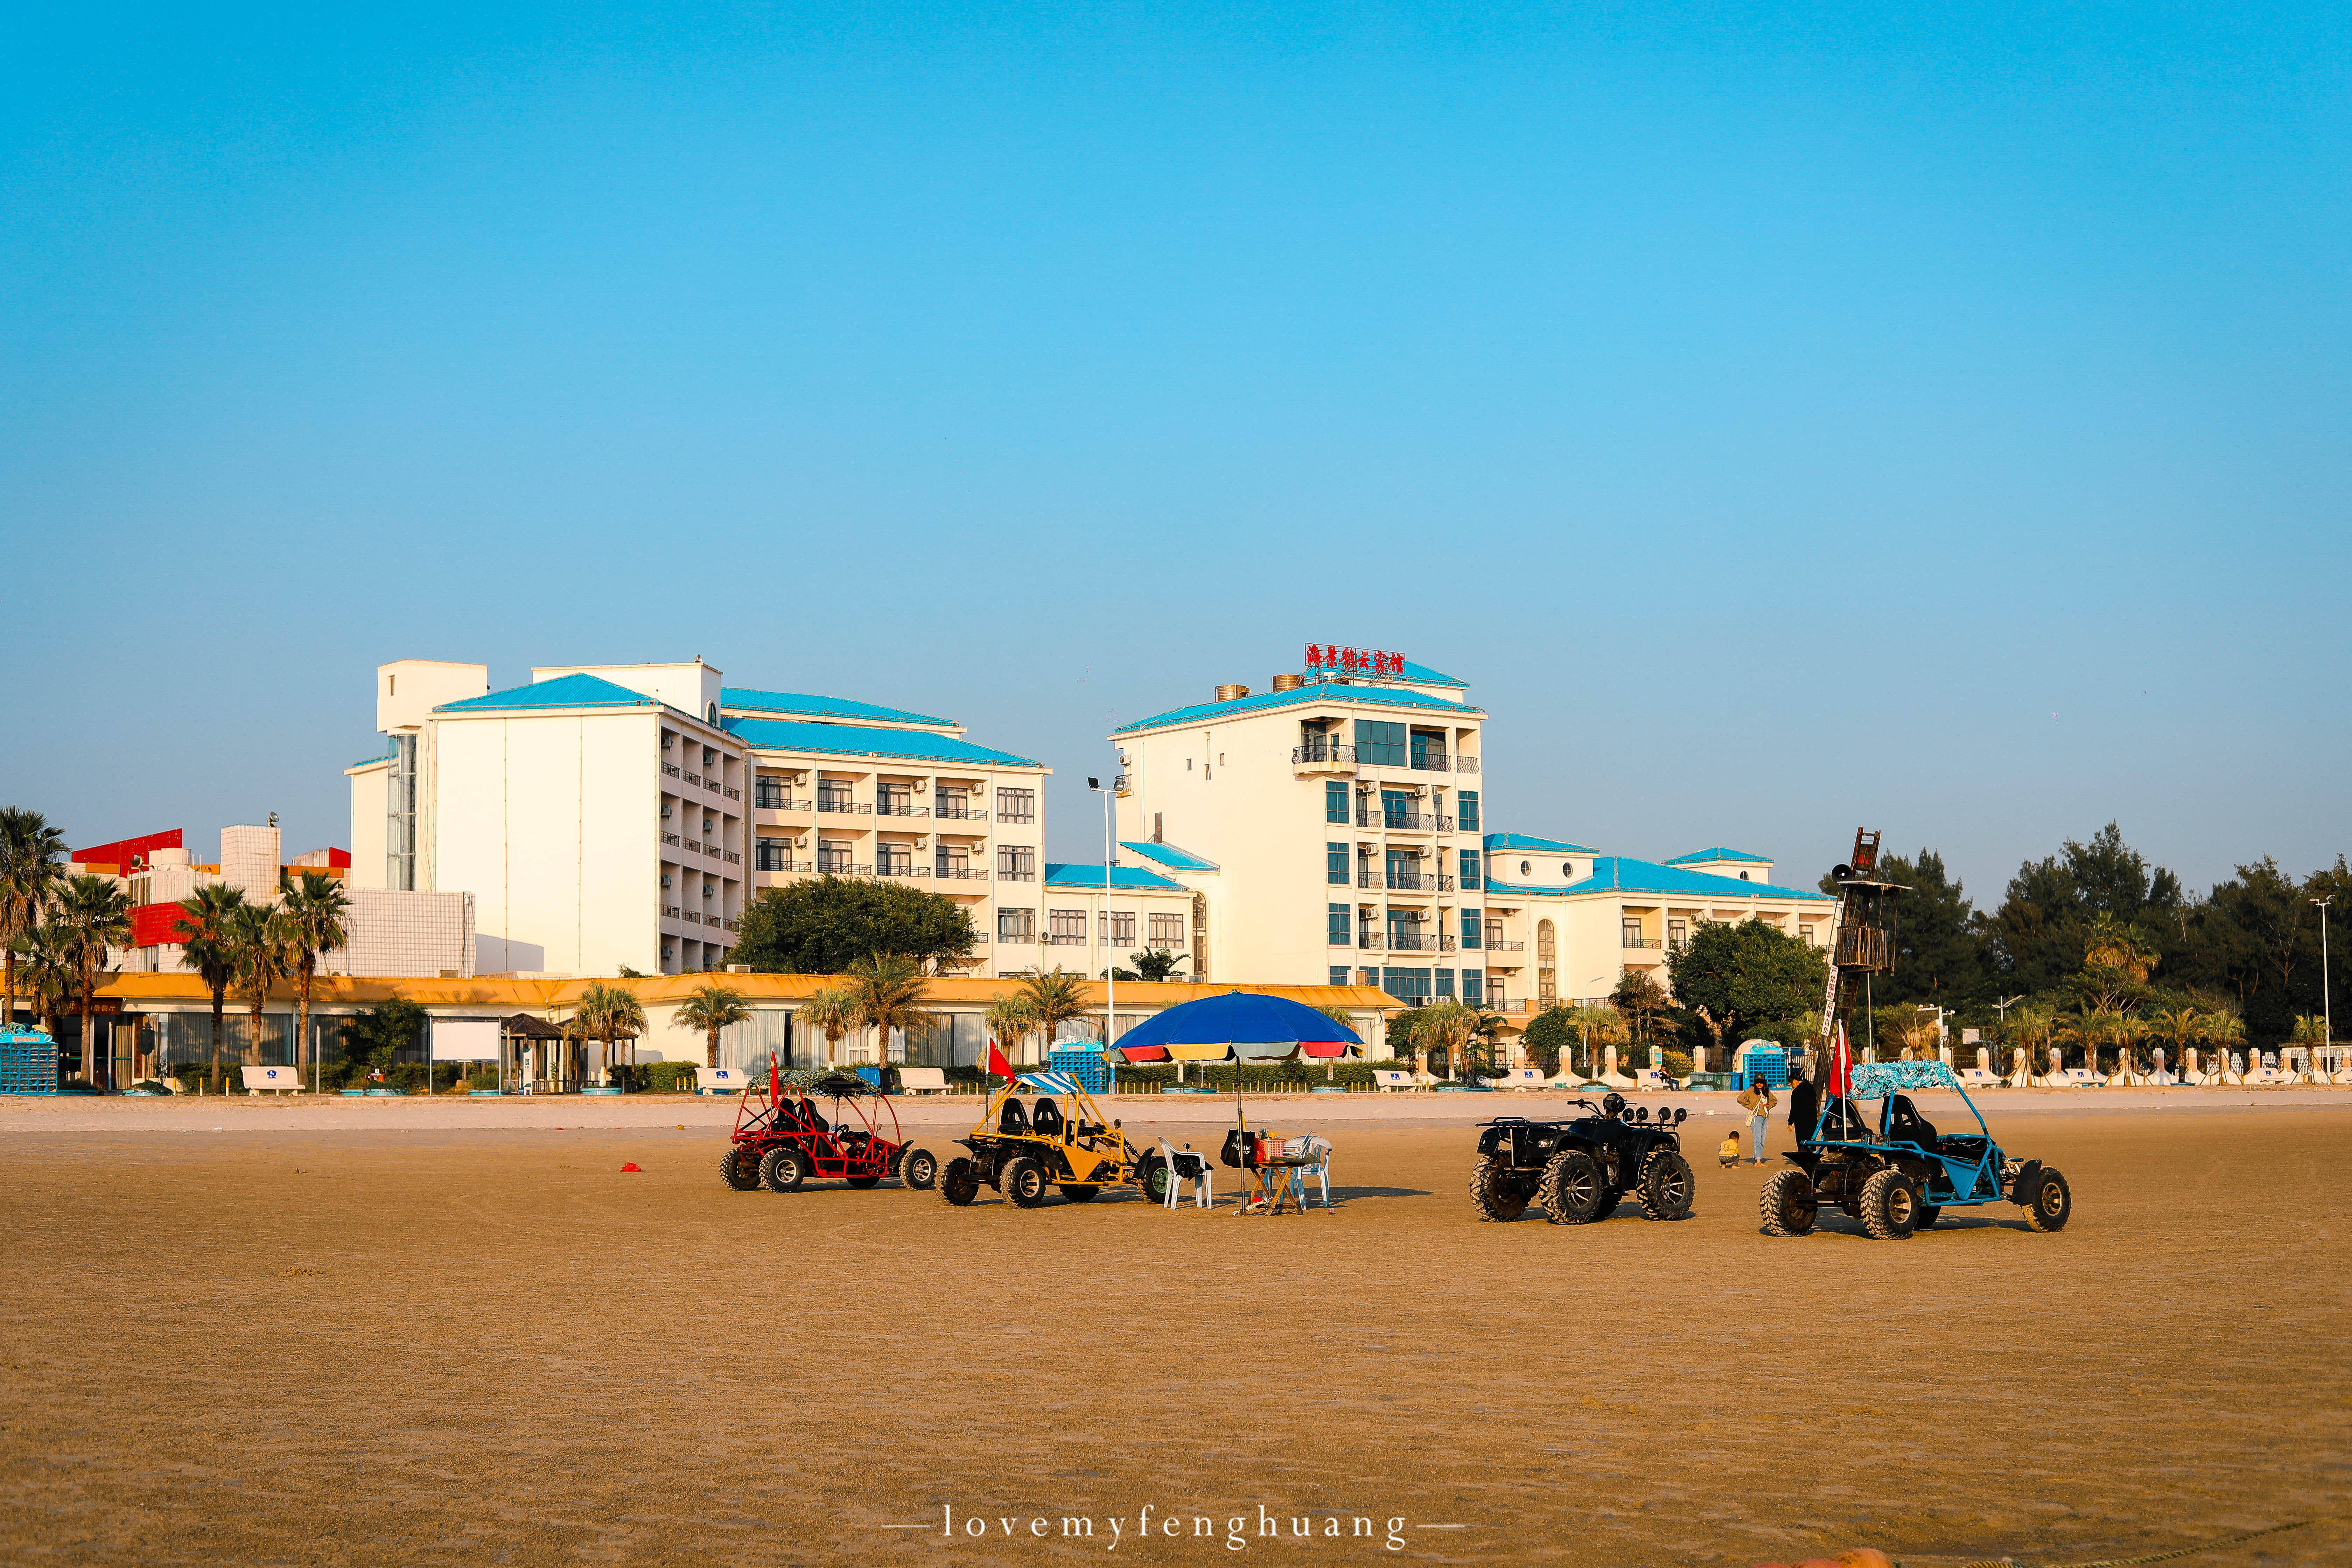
(1240, 1019)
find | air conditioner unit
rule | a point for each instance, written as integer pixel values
(921, 785)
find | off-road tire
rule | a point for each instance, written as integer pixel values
(1890, 1205)
(1491, 1193)
(958, 1185)
(1666, 1187)
(918, 1169)
(1574, 1190)
(2052, 1202)
(862, 1181)
(1606, 1207)
(784, 1168)
(1788, 1203)
(737, 1169)
(1928, 1215)
(1080, 1192)
(1152, 1177)
(1022, 1179)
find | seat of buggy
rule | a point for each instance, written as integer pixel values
(1013, 1119)
(811, 1117)
(1048, 1118)
(1904, 1121)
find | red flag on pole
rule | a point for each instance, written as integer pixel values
(1841, 1074)
(997, 1064)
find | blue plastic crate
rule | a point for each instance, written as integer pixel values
(28, 1061)
(1765, 1069)
(1086, 1066)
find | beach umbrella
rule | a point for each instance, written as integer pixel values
(1244, 1025)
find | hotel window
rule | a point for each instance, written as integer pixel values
(1445, 982)
(953, 802)
(1396, 808)
(771, 853)
(1631, 928)
(1118, 930)
(1469, 868)
(1335, 921)
(1472, 929)
(1379, 745)
(1465, 809)
(1016, 805)
(1677, 933)
(1335, 802)
(1066, 927)
(1335, 864)
(771, 795)
(1017, 925)
(1410, 986)
(1339, 974)
(1167, 932)
(894, 800)
(833, 856)
(1473, 987)
(1016, 861)
(1805, 935)
(834, 795)
(950, 861)
(893, 859)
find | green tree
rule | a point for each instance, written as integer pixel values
(203, 923)
(377, 1036)
(1007, 1019)
(2036, 940)
(1597, 1025)
(1642, 1000)
(713, 1008)
(1404, 1034)
(1939, 954)
(31, 864)
(1547, 1038)
(94, 914)
(1734, 975)
(824, 925)
(313, 912)
(607, 1014)
(47, 954)
(1155, 963)
(1446, 1029)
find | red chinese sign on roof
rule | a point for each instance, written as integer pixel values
(1324, 656)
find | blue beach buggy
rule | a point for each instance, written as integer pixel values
(1901, 1177)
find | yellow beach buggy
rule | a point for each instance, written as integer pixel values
(1062, 1139)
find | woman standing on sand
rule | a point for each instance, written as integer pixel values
(1759, 1102)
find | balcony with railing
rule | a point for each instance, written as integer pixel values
(784, 803)
(787, 865)
(901, 869)
(731, 792)
(670, 838)
(842, 802)
(1507, 947)
(1640, 941)
(691, 845)
(900, 808)
(1462, 764)
(1432, 761)
(670, 911)
(1412, 941)
(670, 768)
(732, 859)
(1369, 941)
(962, 873)
(959, 814)
(1323, 757)
(842, 866)
(715, 784)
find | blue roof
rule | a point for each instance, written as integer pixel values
(383, 756)
(1540, 845)
(1168, 855)
(1313, 691)
(1061, 875)
(1718, 854)
(1620, 874)
(564, 691)
(859, 741)
(794, 703)
(1428, 677)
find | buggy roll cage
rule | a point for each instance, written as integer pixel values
(766, 1105)
(1086, 1122)
(1883, 1082)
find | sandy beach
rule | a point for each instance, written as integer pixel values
(392, 1333)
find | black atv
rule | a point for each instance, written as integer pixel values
(1577, 1170)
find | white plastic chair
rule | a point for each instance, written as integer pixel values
(1188, 1164)
(1320, 1151)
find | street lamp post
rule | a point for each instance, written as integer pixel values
(1110, 964)
(2326, 1002)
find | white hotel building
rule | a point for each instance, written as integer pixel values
(1333, 830)
(605, 817)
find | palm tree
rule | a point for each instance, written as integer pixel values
(604, 1014)
(1008, 1018)
(1157, 964)
(47, 954)
(2311, 1033)
(94, 914)
(2090, 1029)
(257, 957)
(1919, 1035)
(30, 853)
(1053, 999)
(1488, 1028)
(1448, 1026)
(203, 923)
(712, 1008)
(889, 992)
(314, 911)
(833, 1013)
(2222, 1027)
(2177, 1025)
(1597, 1024)
(2030, 1029)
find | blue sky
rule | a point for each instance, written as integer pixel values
(1784, 416)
